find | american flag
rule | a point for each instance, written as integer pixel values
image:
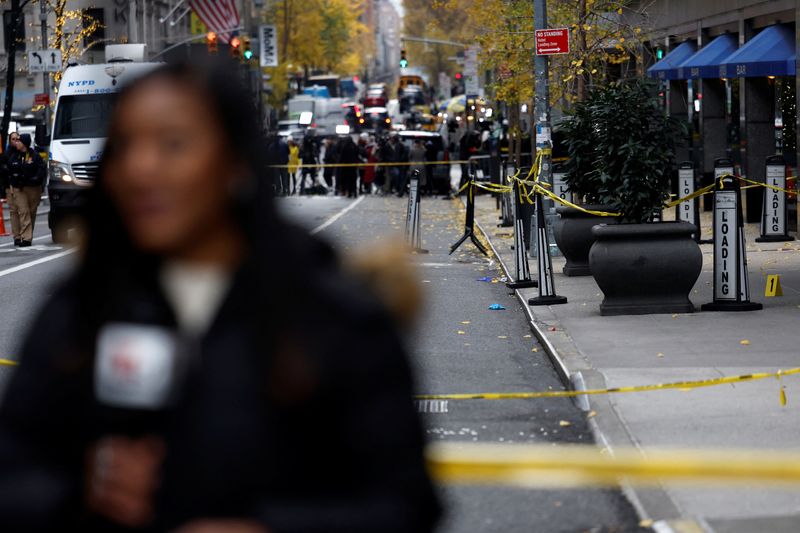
(221, 16)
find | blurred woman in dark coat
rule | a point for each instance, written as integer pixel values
(208, 367)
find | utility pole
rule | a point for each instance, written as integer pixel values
(541, 109)
(45, 75)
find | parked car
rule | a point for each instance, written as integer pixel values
(291, 129)
(375, 98)
(377, 119)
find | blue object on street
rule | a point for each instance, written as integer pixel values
(496, 307)
(487, 279)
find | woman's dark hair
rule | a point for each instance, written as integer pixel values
(109, 253)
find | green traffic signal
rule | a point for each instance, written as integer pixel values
(659, 54)
(403, 63)
(248, 54)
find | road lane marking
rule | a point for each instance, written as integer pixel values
(30, 264)
(337, 216)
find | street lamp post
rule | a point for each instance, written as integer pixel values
(541, 111)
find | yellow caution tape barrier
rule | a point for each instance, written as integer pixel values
(570, 465)
(8, 362)
(374, 164)
(681, 385)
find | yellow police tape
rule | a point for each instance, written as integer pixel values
(374, 164)
(8, 362)
(681, 385)
(570, 465)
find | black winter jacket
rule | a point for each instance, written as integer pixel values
(26, 169)
(296, 409)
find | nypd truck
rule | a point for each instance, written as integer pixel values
(82, 114)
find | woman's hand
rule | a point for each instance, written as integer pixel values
(122, 476)
(222, 526)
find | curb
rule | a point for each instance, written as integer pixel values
(608, 428)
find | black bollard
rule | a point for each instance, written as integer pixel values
(731, 284)
(774, 215)
(547, 289)
(413, 237)
(469, 221)
(523, 270)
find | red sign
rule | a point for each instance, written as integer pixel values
(552, 41)
(41, 99)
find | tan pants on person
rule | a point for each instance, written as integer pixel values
(23, 203)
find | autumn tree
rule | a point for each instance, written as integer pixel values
(324, 35)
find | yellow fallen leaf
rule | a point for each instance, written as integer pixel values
(462, 332)
(564, 424)
(502, 336)
(465, 321)
(675, 316)
(591, 414)
(526, 336)
(659, 354)
(646, 523)
(744, 342)
(535, 350)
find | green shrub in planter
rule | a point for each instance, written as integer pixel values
(621, 148)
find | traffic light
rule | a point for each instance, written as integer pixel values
(403, 60)
(211, 42)
(248, 51)
(458, 75)
(236, 48)
(659, 54)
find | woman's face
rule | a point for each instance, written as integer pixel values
(171, 173)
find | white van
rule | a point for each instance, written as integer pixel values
(82, 113)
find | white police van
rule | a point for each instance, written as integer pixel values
(82, 114)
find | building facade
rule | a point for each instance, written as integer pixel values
(156, 23)
(730, 68)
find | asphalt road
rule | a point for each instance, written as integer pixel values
(495, 352)
(27, 277)
(462, 346)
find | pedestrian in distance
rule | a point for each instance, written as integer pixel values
(171, 384)
(417, 157)
(310, 159)
(294, 163)
(5, 182)
(347, 174)
(26, 174)
(330, 158)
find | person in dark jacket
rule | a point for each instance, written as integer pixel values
(348, 176)
(309, 158)
(171, 383)
(26, 175)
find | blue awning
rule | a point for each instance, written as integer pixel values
(706, 62)
(667, 68)
(770, 53)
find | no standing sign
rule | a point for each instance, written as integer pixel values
(552, 41)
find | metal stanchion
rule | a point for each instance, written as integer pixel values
(469, 221)
(413, 237)
(731, 284)
(523, 271)
(774, 215)
(547, 289)
(506, 201)
(689, 211)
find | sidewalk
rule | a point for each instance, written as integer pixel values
(598, 352)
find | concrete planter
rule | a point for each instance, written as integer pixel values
(573, 234)
(645, 268)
